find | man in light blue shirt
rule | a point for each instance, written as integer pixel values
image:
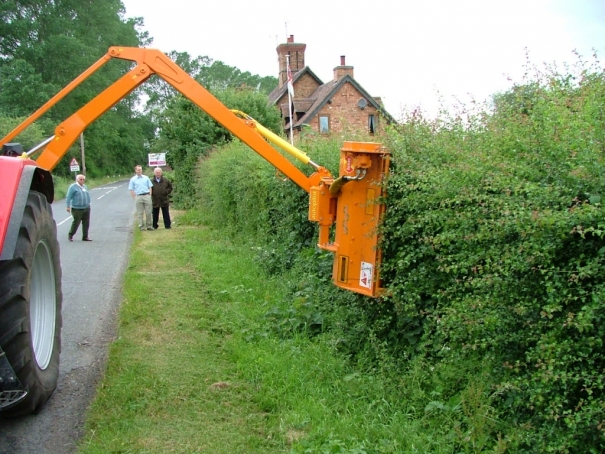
(140, 188)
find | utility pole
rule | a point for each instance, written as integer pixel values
(82, 149)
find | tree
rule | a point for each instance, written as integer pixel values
(186, 132)
(158, 93)
(29, 138)
(44, 45)
(215, 76)
(219, 76)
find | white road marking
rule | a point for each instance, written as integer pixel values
(110, 189)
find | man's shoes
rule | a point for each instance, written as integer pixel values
(86, 239)
(155, 227)
(168, 227)
(70, 238)
(149, 228)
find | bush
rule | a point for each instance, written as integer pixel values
(493, 247)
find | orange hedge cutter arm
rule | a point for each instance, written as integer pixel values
(352, 208)
(149, 62)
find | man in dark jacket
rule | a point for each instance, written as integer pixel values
(162, 187)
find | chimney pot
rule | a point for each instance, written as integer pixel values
(291, 39)
(343, 69)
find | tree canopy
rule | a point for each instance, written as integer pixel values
(46, 44)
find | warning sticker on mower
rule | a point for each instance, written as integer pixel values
(349, 164)
(366, 275)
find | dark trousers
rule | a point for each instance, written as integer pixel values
(80, 216)
(165, 216)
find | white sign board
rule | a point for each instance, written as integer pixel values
(74, 166)
(157, 159)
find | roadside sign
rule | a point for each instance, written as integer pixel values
(74, 166)
(157, 159)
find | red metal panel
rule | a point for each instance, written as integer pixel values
(11, 169)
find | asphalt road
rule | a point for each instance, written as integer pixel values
(92, 285)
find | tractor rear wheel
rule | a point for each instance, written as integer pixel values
(30, 307)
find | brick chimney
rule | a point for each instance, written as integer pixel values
(296, 51)
(342, 70)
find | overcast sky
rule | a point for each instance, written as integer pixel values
(409, 52)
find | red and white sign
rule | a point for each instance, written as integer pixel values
(74, 166)
(366, 275)
(349, 164)
(157, 159)
(290, 85)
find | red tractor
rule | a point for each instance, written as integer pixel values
(346, 209)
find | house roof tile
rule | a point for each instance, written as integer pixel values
(311, 105)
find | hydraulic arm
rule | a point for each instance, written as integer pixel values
(346, 208)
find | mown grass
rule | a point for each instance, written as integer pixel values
(193, 369)
(170, 385)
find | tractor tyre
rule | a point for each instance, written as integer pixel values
(30, 307)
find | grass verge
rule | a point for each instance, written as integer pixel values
(170, 385)
(194, 368)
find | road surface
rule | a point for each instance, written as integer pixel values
(92, 285)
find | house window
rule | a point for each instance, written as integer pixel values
(372, 123)
(324, 124)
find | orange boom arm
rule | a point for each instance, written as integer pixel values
(353, 208)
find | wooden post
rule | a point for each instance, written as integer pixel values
(82, 148)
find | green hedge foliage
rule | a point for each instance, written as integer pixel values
(494, 249)
(240, 192)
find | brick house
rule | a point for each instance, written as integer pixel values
(339, 105)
